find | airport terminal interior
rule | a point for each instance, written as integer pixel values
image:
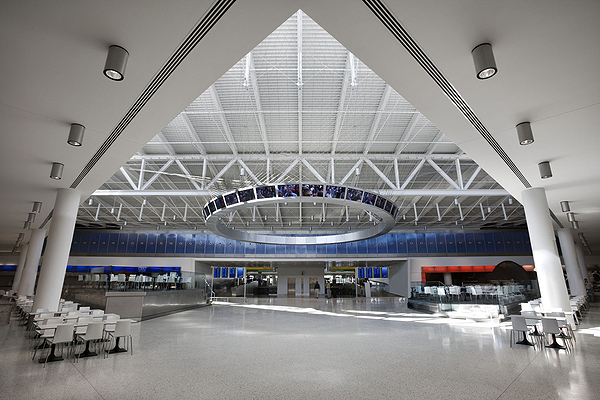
(268, 199)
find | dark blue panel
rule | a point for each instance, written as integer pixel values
(489, 242)
(331, 248)
(290, 249)
(232, 271)
(440, 239)
(261, 248)
(480, 242)
(84, 244)
(526, 242)
(171, 243)
(216, 272)
(509, 244)
(411, 241)
(392, 245)
(321, 249)
(240, 247)
(269, 249)
(103, 245)
(132, 242)
(470, 241)
(190, 244)
(280, 249)
(369, 272)
(300, 249)
(94, 242)
(372, 246)
(499, 242)
(431, 243)
(361, 272)
(161, 243)
(75, 243)
(351, 248)
(381, 244)
(122, 243)
(200, 243)
(210, 245)
(361, 247)
(224, 272)
(340, 248)
(401, 242)
(518, 242)
(219, 245)
(384, 272)
(230, 246)
(151, 243)
(113, 242)
(180, 243)
(421, 243)
(461, 246)
(376, 272)
(240, 272)
(311, 249)
(142, 242)
(450, 243)
(252, 248)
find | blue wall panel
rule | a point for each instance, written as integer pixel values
(252, 248)
(518, 242)
(94, 242)
(340, 248)
(372, 246)
(499, 242)
(280, 249)
(351, 248)
(75, 242)
(331, 248)
(180, 243)
(132, 243)
(470, 241)
(381, 245)
(301, 249)
(440, 238)
(122, 243)
(392, 244)
(113, 243)
(311, 249)
(290, 249)
(421, 243)
(321, 249)
(431, 243)
(230, 246)
(200, 243)
(209, 247)
(461, 246)
(84, 243)
(171, 243)
(489, 242)
(361, 247)
(411, 242)
(219, 245)
(450, 243)
(240, 247)
(480, 242)
(161, 243)
(401, 243)
(151, 243)
(142, 242)
(260, 248)
(509, 244)
(103, 245)
(269, 249)
(190, 244)
(526, 242)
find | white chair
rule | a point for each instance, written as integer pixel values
(83, 321)
(64, 336)
(94, 333)
(122, 330)
(563, 324)
(518, 325)
(550, 327)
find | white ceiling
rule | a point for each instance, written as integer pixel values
(53, 78)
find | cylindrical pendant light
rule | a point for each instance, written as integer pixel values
(31, 217)
(485, 64)
(571, 217)
(575, 224)
(57, 171)
(37, 207)
(27, 225)
(545, 171)
(524, 133)
(76, 135)
(564, 206)
(116, 61)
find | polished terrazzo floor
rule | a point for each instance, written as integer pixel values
(308, 348)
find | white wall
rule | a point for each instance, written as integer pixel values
(302, 275)
(398, 278)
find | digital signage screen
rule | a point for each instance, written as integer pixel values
(335, 192)
(309, 190)
(292, 190)
(354, 194)
(265, 192)
(219, 202)
(369, 198)
(231, 199)
(246, 195)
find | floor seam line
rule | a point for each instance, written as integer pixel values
(517, 377)
(86, 379)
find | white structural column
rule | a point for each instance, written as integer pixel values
(581, 260)
(19, 271)
(545, 254)
(448, 278)
(32, 262)
(60, 236)
(567, 245)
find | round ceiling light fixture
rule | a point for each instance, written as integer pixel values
(485, 64)
(299, 196)
(116, 61)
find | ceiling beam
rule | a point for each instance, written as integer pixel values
(224, 124)
(309, 156)
(341, 104)
(257, 104)
(375, 125)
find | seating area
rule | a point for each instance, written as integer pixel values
(542, 327)
(72, 330)
(477, 294)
